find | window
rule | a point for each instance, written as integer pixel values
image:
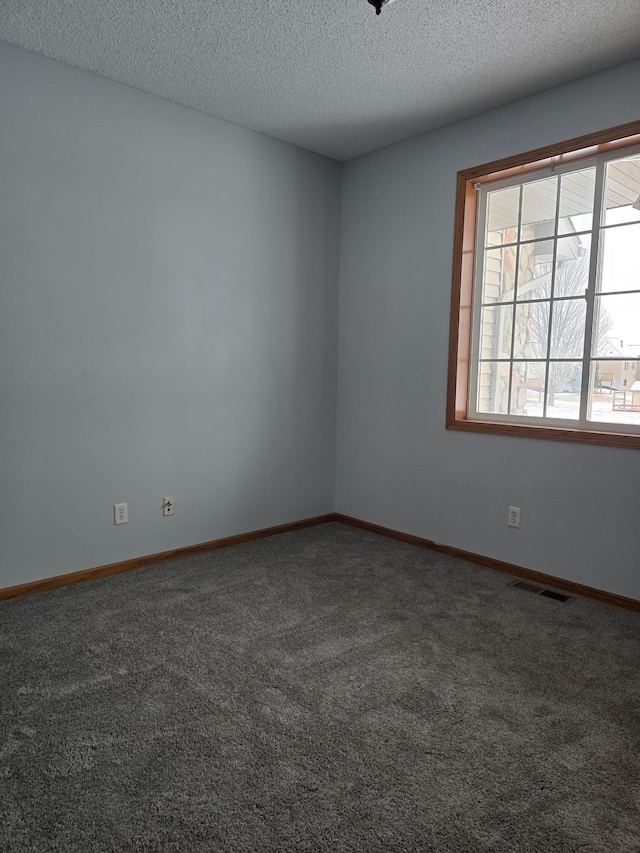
(546, 292)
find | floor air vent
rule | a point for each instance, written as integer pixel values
(540, 590)
(558, 596)
(528, 587)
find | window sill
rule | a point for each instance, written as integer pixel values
(580, 435)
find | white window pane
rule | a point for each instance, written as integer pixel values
(495, 331)
(502, 216)
(493, 387)
(572, 266)
(611, 401)
(527, 388)
(620, 259)
(534, 298)
(617, 326)
(539, 209)
(563, 391)
(622, 191)
(568, 328)
(577, 190)
(536, 326)
(498, 278)
(534, 270)
(531, 330)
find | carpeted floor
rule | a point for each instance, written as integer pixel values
(323, 690)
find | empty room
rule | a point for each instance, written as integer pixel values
(320, 426)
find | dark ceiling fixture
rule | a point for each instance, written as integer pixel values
(378, 4)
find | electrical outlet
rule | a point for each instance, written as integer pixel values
(120, 515)
(514, 516)
(167, 506)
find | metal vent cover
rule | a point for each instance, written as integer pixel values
(536, 589)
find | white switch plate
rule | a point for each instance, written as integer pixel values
(514, 516)
(120, 515)
(168, 506)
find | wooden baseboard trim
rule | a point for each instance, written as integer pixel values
(164, 556)
(498, 565)
(189, 550)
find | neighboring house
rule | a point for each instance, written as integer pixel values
(618, 375)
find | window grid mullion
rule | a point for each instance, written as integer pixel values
(539, 360)
(554, 255)
(490, 248)
(611, 227)
(478, 285)
(515, 298)
(594, 265)
(556, 299)
(618, 292)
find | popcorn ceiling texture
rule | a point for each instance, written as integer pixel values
(330, 75)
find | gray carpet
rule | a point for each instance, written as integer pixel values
(323, 690)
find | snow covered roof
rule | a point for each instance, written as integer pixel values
(615, 348)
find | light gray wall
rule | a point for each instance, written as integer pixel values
(168, 323)
(397, 465)
(168, 326)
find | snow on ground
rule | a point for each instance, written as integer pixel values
(567, 407)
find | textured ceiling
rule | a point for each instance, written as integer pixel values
(330, 75)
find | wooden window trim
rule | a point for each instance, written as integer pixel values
(571, 150)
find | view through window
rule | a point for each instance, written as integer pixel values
(555, 310)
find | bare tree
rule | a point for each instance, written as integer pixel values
(568, 322)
